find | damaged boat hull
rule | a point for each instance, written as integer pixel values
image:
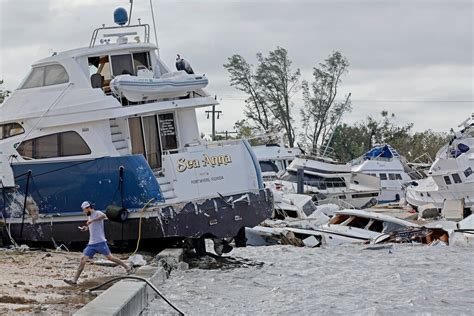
(212, 217)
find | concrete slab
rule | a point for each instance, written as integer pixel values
(175, 253)
(126, 297)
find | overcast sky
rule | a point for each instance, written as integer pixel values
(413, 58)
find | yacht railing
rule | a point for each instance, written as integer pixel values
(95, 33)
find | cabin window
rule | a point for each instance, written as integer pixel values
(55, 145)
(141, 60)
(391, 176)
(376, 226)
(46, 76)
(10, 130)
(169, 139)
(467, 172)
(398, 176)
(389, 227)
(35, 79)
(456, 178)
(447, 180)
(309, 208)
(55, 74)
(383, 176)
(359, 222)
(268, 166)
(122, 65)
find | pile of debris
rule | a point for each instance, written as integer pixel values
(298, 222)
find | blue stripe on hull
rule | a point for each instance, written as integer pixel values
(60, 187)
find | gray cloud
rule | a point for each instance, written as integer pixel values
(398, 50)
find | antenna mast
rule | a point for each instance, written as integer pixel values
(154, 26)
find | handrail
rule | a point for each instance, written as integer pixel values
(95, 33)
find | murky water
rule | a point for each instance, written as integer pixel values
(344, 280)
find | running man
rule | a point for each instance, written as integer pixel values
(97, 242)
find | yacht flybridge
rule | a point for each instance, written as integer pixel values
(68, 135)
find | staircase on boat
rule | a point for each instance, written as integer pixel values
(166, 187)
(119, 141)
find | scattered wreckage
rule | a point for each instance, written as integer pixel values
(297, 221)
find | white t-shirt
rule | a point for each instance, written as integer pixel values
(96, 229)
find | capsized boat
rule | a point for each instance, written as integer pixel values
(145, 87)
(64, 138)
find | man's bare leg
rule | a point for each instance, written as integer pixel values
(119, 262)
(82, 264)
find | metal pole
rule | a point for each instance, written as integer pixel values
(24, 204)
(300, 179)
(154, 27)
(213, 123)
(335, 127)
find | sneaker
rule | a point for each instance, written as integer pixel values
(70, 282)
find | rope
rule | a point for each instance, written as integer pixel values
(139, 279)
(140, 226)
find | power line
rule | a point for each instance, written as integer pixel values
(238, 98)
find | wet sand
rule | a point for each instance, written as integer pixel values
(32, 282)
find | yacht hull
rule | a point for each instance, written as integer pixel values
(211, 217)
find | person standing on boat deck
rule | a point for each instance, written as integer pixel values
(97, 242)
(182, 64)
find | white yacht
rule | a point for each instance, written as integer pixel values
(330, 182)
(385, 163)
(274, 159)
(65, 138)
(451, 177)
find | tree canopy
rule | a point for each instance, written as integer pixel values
(270, 88)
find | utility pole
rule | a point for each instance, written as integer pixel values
(213, 117)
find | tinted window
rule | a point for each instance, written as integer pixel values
(268, 166)
(54, 145)
(141, 59)
(122, 65)
(457, 178)
(468, 172)
(383, 176)
(10, 129)
(35, 79)
(398, 176)
(55, 74)
(447, 180)
(391, 176)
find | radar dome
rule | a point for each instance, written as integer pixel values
(120, 16)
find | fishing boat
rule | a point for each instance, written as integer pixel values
(66, 138)
(385, 162)
(451, 177)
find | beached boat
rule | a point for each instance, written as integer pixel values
(274, 159)
(328, 181)
(385, 163)
(169, 85)
(64, 138)
(451, 177)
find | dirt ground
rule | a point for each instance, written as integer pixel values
(31, 282)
